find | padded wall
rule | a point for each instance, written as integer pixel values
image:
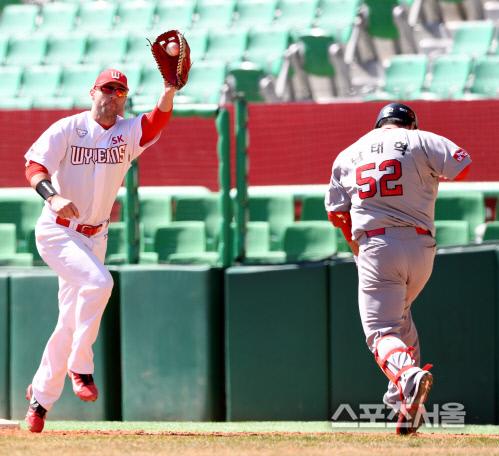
(34, 312)
(4, 348)
(276, 343)
(457, 322)
(172, 343)
(456, 317)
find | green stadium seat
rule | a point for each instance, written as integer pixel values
(26, 50)
(309, 241)
(175, 14)
(138, 50)
(77, 80)
(404, 78)
(315, 52)
(266, 47)
(151, 82)
(187, 238)
(18, 19)
(8, 255)
(336, 17)
(214, 14)
(65, 102)
(155, 211)
(452, 232)
(312, 208)
(244, 78)
(258, 245)
(106, 47)
(380, 20)
(296, 14)
(11, 80)
(15, 103)
(204, 208)
(22, 210)
(467, 205)
(32, 249)
(57, 17)
(251, 12)
(116, 243)
(473, 38)
(198, 40)
(226, 45)
(40, 81)
(491, 232)
(135, 15)
(448, 77)
(65, 48)
(277, 210)
(96, 17)
(4, 42)
(205, 83)
(485, 82)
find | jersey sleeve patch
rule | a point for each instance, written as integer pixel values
(460, 155)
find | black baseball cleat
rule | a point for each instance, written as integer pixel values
(411, 414)
(35, 418)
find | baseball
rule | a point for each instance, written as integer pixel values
(172, 49)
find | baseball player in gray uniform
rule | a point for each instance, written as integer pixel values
(382, 196)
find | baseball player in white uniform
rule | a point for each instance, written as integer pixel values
(382, 196)
(77, 165)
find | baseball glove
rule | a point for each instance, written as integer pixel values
(173, 68)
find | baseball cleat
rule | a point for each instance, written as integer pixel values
(410, 416)
(35, 418)
(84, 386)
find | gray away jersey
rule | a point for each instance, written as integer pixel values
(390, 176)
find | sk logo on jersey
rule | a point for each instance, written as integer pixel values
(117, 139)
(81, 133)
(460, 155)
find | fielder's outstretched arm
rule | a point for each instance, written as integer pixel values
(153, 122)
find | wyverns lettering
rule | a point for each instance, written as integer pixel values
(85, 155)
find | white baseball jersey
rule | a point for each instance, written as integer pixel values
(87, 163)
(389, 178)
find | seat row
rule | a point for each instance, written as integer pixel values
(452, 76)
(264, 46)
(179, 14)
(57, 87)
(184, 227)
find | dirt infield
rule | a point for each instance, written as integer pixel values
(141, 442)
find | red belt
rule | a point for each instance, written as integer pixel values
(86, 230)
(378, 231)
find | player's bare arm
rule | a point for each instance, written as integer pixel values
(165, 102)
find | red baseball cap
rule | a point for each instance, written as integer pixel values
(111, 75)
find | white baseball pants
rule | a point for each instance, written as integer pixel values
(84, 289)
(393, 268)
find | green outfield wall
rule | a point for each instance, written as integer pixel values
(4, 346)
(276, 343)
(33, 316)
(456, 317)
(195, 343)
(172, 343)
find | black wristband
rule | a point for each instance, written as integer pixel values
(45, 189)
